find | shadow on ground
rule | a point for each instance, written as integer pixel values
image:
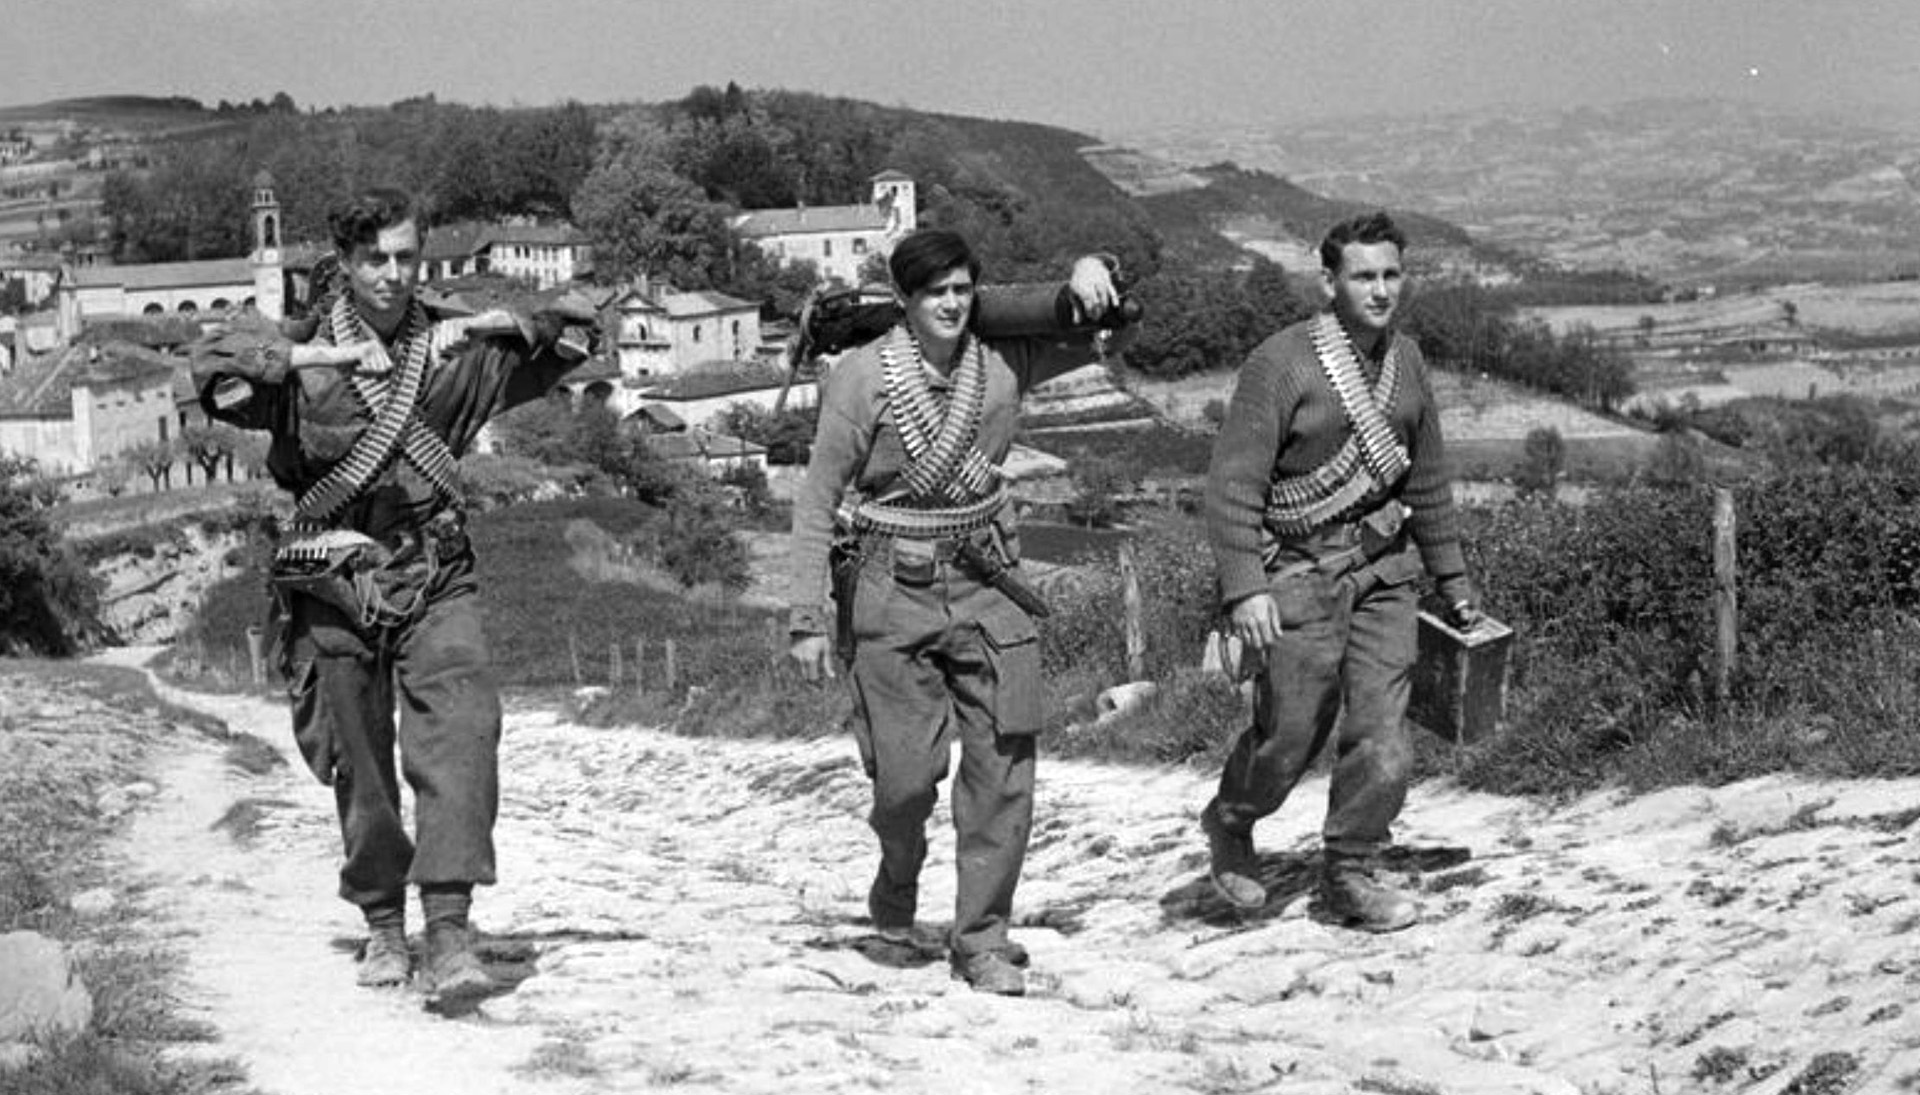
(1287, 877)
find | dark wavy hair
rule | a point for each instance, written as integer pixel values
(362, 218)
(922, 256)
(1374, 227)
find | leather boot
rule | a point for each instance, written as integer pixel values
(1233, 866)
(385, 960)
(990, 971)
(452, 969)
(1353, 896)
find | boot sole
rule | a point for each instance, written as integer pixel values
(1242, 900)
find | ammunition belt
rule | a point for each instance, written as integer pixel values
(396, 424)
(912, 523)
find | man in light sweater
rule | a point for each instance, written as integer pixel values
(1327, 492)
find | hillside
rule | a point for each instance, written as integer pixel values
(1029, 193)
(1701, 189)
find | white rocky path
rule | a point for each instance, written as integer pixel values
(680, 913)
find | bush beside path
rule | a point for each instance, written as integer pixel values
(679, 912)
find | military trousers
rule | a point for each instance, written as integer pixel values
(346, 685)
(941, 659)
(1344, 660)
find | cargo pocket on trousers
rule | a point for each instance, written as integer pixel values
(1013, 655)
(312, 726)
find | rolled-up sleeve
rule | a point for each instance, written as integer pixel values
(259, 357)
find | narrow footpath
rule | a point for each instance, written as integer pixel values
(680, 913)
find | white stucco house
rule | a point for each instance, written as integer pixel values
(837, 239)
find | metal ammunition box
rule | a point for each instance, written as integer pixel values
(1460, 678)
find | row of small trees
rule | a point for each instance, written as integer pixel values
(211, 448)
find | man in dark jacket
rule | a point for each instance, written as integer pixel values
(369, 404)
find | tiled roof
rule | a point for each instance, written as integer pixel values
(550, 234)
(601, 367)
(166, 275)
(39, 387)
(29, 260)
(453, 241)
(822, 218)
(701, 444)
(704, 302)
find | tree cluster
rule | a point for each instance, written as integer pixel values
(466, 162)
(1198, 320)
(49, 602)
(1465, 328)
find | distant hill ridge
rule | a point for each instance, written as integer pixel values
(1020, 162)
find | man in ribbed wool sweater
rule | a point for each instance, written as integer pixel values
(1327, 492)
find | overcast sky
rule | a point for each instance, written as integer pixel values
(1103, 66)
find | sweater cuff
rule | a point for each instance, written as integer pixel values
(1240, 579)
(1444, 560)
(807, 620)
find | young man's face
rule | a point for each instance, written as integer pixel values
(383, 272)
(1366, 288)
(938, 310)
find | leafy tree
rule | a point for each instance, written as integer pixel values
(49, 602)
(787, 436)
(1276, 297)
(1098, 482)
(156, 459)
(1676, 461)
(552, 432)
(191, 205)
(1546, 458)
(644, 219)
(13, 296)
(1196, 320)
(113, 477)
(207, 445)
(781, 287)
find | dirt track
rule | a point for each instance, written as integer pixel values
(680, 913)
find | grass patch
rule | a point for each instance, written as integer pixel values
(1152, 450)
(72, 732)
(1592, 460)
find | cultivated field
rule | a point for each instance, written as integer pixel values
(1875, 310)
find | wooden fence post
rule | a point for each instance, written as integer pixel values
(1134, 627)
(613, 663)
(1726, 597)
(672, 672)
(640, 666)
(257, 653)
(573, 655)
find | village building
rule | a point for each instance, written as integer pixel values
(699, 401)
(71, 410)
(665, 332)
(453, 251)
(543, 255)
(256, 283)
(837, 239)
(38, 274)
(707, 451)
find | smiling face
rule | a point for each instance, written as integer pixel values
(1366, 289)
(938, 312)
(383, 274)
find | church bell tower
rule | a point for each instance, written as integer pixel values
(269, 281)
